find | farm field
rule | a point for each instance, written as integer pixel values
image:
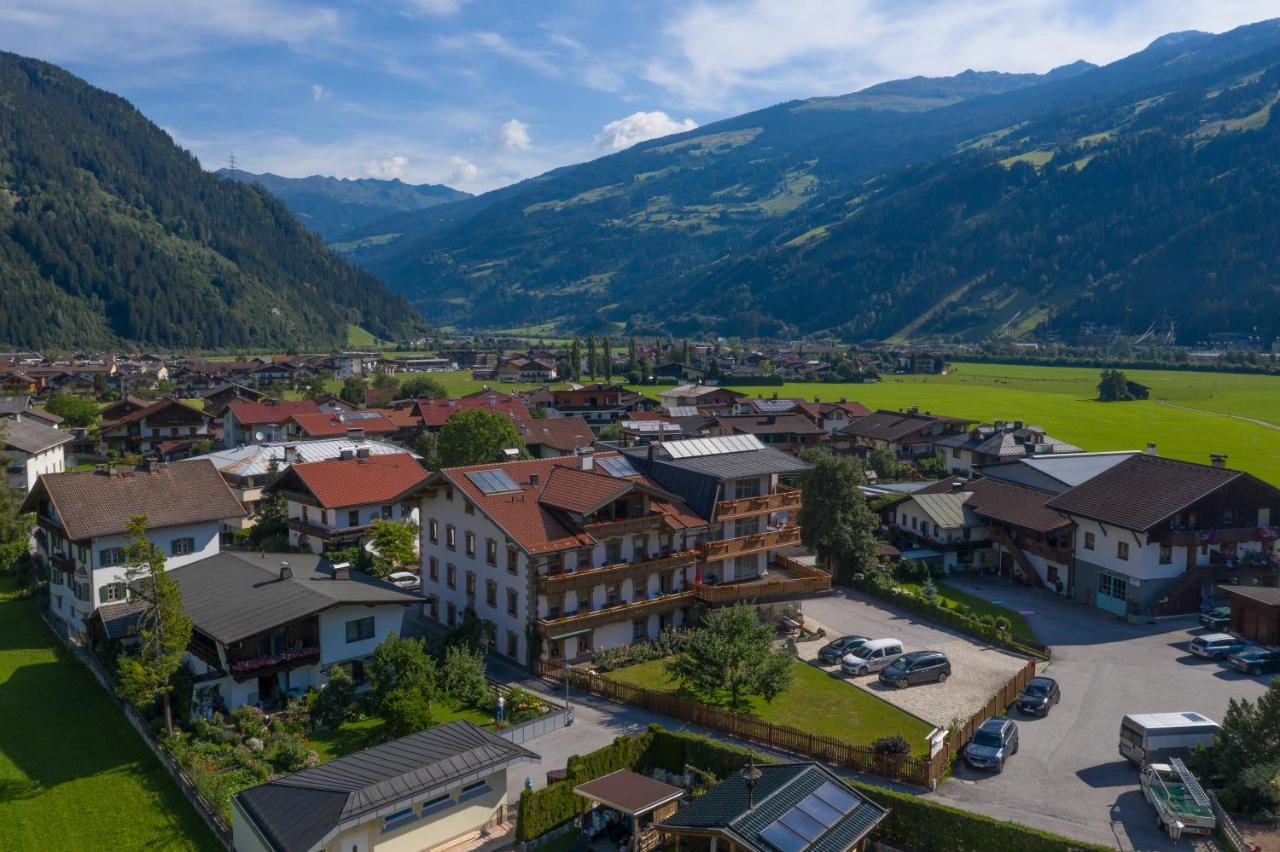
(83, 779)
(817, 701)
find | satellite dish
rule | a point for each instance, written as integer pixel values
(259, 436)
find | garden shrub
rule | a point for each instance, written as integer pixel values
(248, 720)
(891, 745)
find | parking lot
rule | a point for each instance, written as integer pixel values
(1068, 775)
(977, 670)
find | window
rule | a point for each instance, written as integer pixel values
(397, 819)
(433, 568)
(182, 546)
(452, 614)
(1089, 541)
(612, 594)
(1122, 550)
(639, 630)
(1166, 554)
(476, 788)
(110, 556)
(471, 582)
(584, 600)
(434, 605)
(612, 552)
(353, 518)
(112, 592)
(360, 629)
(451, 576)
(386, 512)
(433, 531)
(583, 559)
(470, 507)
(490, 551)
(955, 452)
(513, 650)
(448, 493)
(439, 803)
(491, 593)
(471, 544)
(450, 537)
(513, 601)
(513, 563)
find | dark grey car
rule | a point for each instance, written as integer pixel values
(917, 667)
(1039, 696)
(993, 743)
(832, 652)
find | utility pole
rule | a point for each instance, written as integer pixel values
(231, 163)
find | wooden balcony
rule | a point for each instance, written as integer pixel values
(327, 533)
(784, 499)
(1194, 538)
(568, 581)
(1060, 555)
(787, 579)
(748, 544)
(624, 526)
(613, 614)
(63, 563)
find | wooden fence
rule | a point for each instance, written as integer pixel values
(919, 771)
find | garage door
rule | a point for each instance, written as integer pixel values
(1113, 592)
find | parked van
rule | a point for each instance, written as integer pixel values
(1148, 737)
(871, 656)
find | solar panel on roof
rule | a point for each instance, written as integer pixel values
(841, 800)
(619, 466)
(774, 406)
(361, 415)
(695, 447)
(783, 839)
(492, 481)
(813, 816)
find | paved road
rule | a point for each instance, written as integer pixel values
(1068, 776)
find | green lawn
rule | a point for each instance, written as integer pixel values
(949, 596)
(73, 773)
(363, 733)
(817, 701)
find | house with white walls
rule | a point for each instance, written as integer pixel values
(31, 447)
(82, 520)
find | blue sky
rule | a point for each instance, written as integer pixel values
(481, 93)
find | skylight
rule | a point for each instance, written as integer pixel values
(492, 481)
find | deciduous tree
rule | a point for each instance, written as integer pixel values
(732, 657)
(835, 521)
(395, 541)
(422, 387)
(477, 436)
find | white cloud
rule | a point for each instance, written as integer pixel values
(320, 93)
(638, 127)
(391, 167)
(514, 136)
(722, 54)
(439, 8)
(462, 170)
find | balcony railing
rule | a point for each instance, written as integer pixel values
(624, 526)
(795, 579)
(784, 499)
(748, 544)
(585, 578)
(1047, 551)
(1229, 535)
(293, 657)
(326, 533)
(62, 563)
(623, 611)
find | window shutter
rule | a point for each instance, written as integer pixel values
(102, 594)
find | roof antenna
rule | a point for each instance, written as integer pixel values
(751, 773)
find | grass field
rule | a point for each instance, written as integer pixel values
(949, 596)
(73, 773)
(817, 702)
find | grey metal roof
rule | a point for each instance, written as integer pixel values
(232, 595)
(120, 619)
(697, 480)
(255, 459)
(30, 436)
(779, 789)
(1056, 472)
(14, 404)
(297, 812)
(948, 510)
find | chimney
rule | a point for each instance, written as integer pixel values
(290, 453)
(842, 399)
(586, 458)
(957, 485)
(1151, 448)
(533, 479)
(913, 409)
(342, 571)
(1017, 424)
(1218, 459)
(362, 452)
(652, 448)
(286, 573)
(347, 454)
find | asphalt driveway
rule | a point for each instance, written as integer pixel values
(1068, 775)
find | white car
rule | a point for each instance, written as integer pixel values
(406, 580)
(871, 656)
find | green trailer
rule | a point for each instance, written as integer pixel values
(1181, 805)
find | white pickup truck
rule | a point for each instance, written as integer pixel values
(1182, 807)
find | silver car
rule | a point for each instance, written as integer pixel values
(871, 656)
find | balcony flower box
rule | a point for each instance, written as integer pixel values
(259, 663)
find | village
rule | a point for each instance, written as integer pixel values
(900, 586)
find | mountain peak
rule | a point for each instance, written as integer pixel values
(1179, 38)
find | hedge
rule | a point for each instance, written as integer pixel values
(912, 823)
(963, 623)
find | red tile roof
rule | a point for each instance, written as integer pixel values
(565, 434)
(435, 412)
(340, 483)
(581, 491)
(325, 425)
(249, 413)
(540, 528)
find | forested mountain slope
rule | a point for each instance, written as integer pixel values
(110, 233)
(963, 207)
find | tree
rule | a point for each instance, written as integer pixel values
(611, 432)
(575, 359)
(732, 656)
(273, 511)
(608, 359)
(885, 463)
(422, 387)
(633, 364)
(405, 711)
(1113, 386)
(591, 356)
(164, 630)
(1245, 754)
(835, 521)
(476, 436)
(385, 381)
(352, 391)
(462, 675)
(75, 410)
(335, 703)
(399, 664)
(426, 444)
(395, 541)
(15, 527)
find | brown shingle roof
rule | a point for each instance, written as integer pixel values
(92, 504)
(770, 424)
(581, 491)
(1143, 490)
(339, 483)
(1016, 505)
(629, 791)
(565, 434)
(893, 425)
